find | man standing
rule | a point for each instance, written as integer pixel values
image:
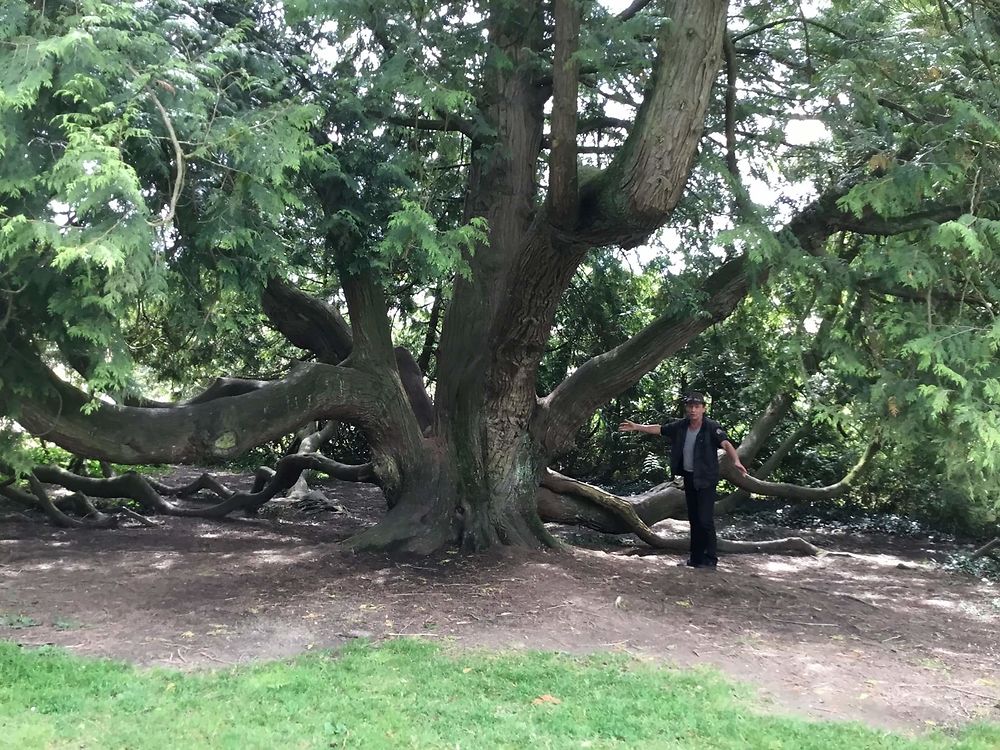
(694, 443)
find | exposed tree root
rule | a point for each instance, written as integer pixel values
(560, 499)
(87, 516)
(394, 533)
(205, 482)
(619, 507)
(152, 494)
(566, 500)
(789, 545)
(987, 548)
(93, 519)
(138, 488)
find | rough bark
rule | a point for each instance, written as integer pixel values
(217, 429)
(497, 325)
(204, 482)
(424, 518)
(563, 184)
(307, 322)
(430, 338)
(412, 378)
(483, 401)
(634, 196)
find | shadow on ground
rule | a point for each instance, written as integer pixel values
(882, 636)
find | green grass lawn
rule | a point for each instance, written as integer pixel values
(405, 694)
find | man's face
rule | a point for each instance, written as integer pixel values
(695, 411)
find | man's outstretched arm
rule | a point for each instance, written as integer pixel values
(627, 426)
(731, 452)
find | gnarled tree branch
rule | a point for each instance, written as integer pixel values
(606, 375)
(634, 196)
(307, 322)
(560, 500)
(219, 428)
(797, 492)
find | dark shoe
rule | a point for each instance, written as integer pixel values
(689, 564)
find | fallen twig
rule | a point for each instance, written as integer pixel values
(986, 548)
(798, 622)
(951, 687)
(129, 513)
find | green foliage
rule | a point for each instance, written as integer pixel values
(437, 700)
(412, 231)
(89, 111)
(17, 622)
(606, 303)
(19, 452)
(16, 457)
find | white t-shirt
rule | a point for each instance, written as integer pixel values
(689, 439)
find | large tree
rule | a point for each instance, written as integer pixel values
(173, 169)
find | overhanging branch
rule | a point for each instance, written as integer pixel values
(450, 124)
(797, 492)
(605, 376)
(219, 428)
(793, 19)
(634, 9)
(307, 322)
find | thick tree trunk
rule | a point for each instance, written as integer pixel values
(440, 501)
(497, 324)
(423, 518)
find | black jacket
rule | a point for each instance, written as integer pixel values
(706, 449)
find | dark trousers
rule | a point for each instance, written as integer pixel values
(701, 516)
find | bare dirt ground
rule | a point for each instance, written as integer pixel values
(883, 636)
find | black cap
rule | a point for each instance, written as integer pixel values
(694, 397)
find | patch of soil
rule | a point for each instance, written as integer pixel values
(881, 636)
